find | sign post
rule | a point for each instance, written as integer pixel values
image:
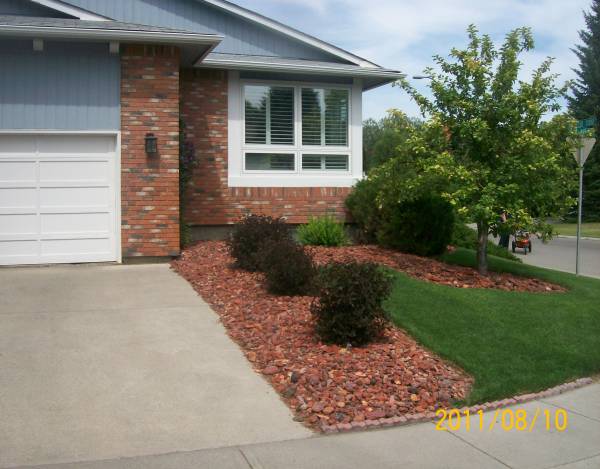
(581, 154)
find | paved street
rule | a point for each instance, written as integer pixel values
(559, 254)
(417, 446)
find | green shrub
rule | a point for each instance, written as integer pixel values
(362, 204)
(323, 231)
(248, 236)
(465, 237)
(348, 309)
(423, 226)
(288, 268)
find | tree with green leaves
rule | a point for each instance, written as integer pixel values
(497, 154)
(382, 139)
(584, 102)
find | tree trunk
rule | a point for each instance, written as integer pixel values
(482, 241)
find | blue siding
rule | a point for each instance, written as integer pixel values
(241, 36)
(27, 8)
(65, 87)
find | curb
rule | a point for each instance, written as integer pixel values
(587, 238)
(430, 416)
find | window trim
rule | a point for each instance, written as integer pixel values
(238, 178)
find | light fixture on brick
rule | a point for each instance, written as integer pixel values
(151, 145)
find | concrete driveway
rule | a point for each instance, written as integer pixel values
(101, 362)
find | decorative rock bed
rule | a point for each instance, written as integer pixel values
(328, 387)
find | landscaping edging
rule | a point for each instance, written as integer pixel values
(430, 416)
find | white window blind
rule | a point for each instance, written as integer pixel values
(325, 117)
(324, 162)
(269, 115)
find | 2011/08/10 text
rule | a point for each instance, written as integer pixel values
(507, 419)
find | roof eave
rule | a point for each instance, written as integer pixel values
(153, 37)
(382, 76)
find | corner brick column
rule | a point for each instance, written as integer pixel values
(149, 184)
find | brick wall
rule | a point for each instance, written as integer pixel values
(149, 185)
(210, 201)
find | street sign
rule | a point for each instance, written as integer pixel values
(586, 145)
(586, 124)
(581, 154)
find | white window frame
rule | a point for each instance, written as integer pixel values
(238, 176)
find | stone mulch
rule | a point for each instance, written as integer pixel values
(432, 270)
(332, 388)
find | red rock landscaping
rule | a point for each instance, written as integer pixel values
(431, 270)
(324, 385)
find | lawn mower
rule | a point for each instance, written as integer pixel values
(521, 241)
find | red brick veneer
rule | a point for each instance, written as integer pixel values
(149, 185)
(210, 200)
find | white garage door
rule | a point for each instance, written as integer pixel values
(57, 199)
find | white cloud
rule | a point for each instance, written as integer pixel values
(404, 34)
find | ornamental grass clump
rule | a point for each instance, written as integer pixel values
(348, 308)
(323, 231)
(248, 236)
(288, 268)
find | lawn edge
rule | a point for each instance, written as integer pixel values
(431, 416)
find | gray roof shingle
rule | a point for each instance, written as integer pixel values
(81, 24)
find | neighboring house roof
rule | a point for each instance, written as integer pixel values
(373, 77)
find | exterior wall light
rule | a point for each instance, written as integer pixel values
(151, 143)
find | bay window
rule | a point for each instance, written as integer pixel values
(296, 128)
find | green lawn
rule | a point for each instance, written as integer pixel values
(510, 342)
(591, 230)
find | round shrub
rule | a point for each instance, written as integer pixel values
(248, 236)
(348, 309)
(362, 204)
(423, 226)
(288, 268)
(323, 231)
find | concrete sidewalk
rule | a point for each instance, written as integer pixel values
(417, 446)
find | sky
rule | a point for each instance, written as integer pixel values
(404, 34)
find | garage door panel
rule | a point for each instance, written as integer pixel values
(74, 171)
(11, 144)
(75, 247)
(18, 249)
(54, 197)
(76, 144)
(16, 224)
(18, 198)
(75, 223)
(57, 199)
(15, 173)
